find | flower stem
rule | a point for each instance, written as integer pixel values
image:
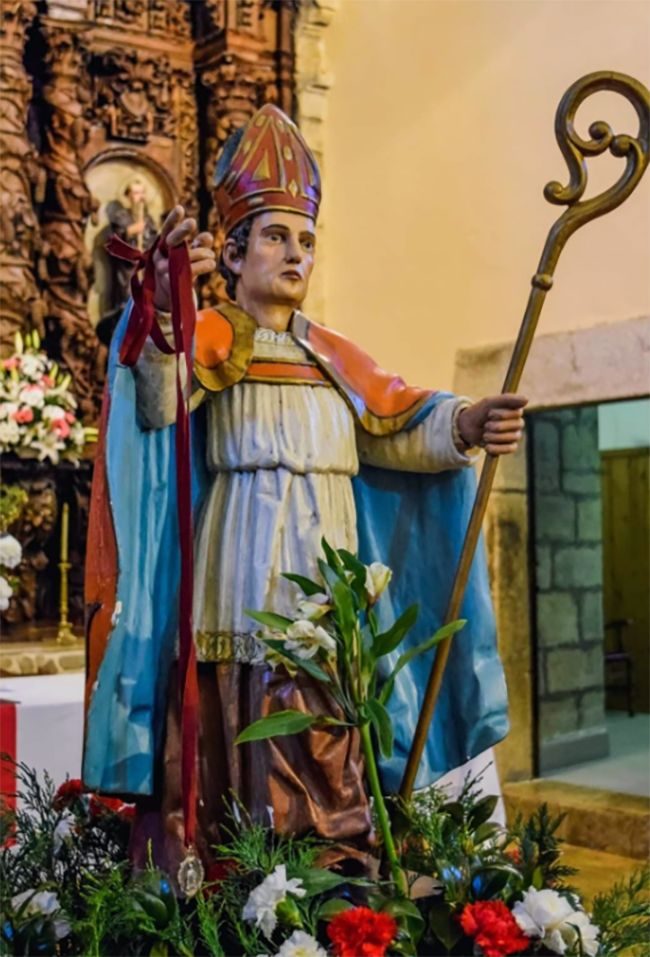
(399, 877)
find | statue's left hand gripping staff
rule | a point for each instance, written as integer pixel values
(142, 323)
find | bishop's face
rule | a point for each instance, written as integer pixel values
(278, 262)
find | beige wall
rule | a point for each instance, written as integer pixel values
(439, 140)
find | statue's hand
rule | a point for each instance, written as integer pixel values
(494, 423)
(176, 230)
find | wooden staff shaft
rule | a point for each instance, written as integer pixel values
(488, 472)
(574, 149)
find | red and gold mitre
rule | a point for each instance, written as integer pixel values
(266, 165)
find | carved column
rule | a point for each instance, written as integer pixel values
(244, 58)
(67, 208)
(20, 303)
(313, 82)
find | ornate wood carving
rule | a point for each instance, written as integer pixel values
(67, 265)
(19, 175)
(155, 84)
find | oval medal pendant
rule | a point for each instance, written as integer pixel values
(190, 873)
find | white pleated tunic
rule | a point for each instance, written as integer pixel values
(282, 458)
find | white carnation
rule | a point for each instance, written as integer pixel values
(7, 409)
(33, 396)
(5, 593)
(53, 412)
(32, 367)
(263, 899)
(10, 551)
(552, 918)
(301, 944)
(45, 903)
(9, 433)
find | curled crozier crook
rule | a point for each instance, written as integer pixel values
(575, 150)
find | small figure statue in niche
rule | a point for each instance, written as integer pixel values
(130, 219)
(298, 435)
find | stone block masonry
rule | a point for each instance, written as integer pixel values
(567, 529)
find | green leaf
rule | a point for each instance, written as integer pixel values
(276, 725)
(445, 632)
(538, 879)
(271, 620)
(333, 907)
(389, 640)
(407, 915)
(318, 880)
(306, 664)
(443, 926)
(382, 724)
(485, 831)
(331, 555)
(482, 810)
(330, 577)
(344, 607)
(308, 586)
(159, 949)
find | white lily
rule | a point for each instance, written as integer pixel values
(377, 579)
(5, 593)
(263, 899)
(312, 608)
(305, 639)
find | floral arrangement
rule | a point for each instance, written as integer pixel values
(67, 885)
(38, 412)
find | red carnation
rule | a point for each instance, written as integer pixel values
(361, 932)
(67, 792)
(99, 805)
(493, 928)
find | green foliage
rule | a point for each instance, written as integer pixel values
(623, 914)
(541, 850)
(13, 499)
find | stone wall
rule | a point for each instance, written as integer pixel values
(567, 535)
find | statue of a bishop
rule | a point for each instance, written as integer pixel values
(296, 435)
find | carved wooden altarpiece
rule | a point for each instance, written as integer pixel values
(91, 89)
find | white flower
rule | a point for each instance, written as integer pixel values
(377, 578)
(33, 396)
(313, 608)
(7, 409)
(304, 639)
(32, 367)
(45, 903)
(53, 412)
(9, 432)
(263, 899)
(10, 551)
(548, 915)
(63, 831)
(301, 944)
(5, 593)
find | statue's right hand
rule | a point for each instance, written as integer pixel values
(178, 229)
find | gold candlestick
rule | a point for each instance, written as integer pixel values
(65, 635)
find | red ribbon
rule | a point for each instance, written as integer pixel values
(142, 323)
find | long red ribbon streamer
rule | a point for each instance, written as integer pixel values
(143, 323)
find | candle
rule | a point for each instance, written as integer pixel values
(65, 517)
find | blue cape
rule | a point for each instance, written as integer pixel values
(413, 523)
